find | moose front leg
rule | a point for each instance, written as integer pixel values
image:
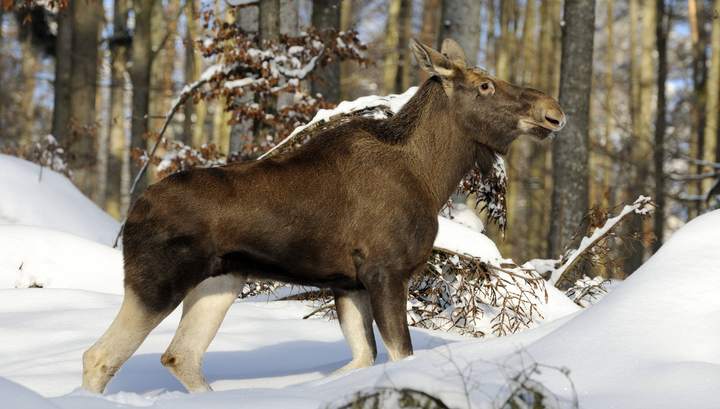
(355, 316)
(388, 298)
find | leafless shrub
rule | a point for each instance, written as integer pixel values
(58, 156)
(593, 247)
(587, 291)
(393, 398)
(472, 297)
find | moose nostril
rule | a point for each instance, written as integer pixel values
(552, 120)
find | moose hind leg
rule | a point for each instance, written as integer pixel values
(204, 309)
(129, 329)
(355, 316)
(388, 299)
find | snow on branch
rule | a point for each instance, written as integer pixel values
(641, 207)
(378, 107)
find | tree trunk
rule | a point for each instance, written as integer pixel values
(640, 150)
(140, 74)
(326, 17)
(402, 79)
(269, 25)
(269, 30)
(698, 36)
(199, 136)
(117, 124)
(461, 22)
(712, 108)
(662, 29)
(63, 69)
(83, 84)
(502, 70)
(348, 75)
(186, 136)
(27, 100)
(392, 38)
(490, 40)
(502, 64)
(248, 19)
(429, 32)
(570, 147)
(547, 58)
(529, 45)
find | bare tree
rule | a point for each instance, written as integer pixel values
(641, 141)
(325, 17)
(83, 83)
(570, 148)
(461, 21)
(140, 70)
(712, 107)
(662, 27)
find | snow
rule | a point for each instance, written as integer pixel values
(651, 342)
(393, 101)
(30, 198)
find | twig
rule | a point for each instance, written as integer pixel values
(324, 307)
(305, 130)
(476, 260)
(587, 243)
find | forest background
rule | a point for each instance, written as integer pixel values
(101, 78)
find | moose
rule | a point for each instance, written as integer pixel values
(354, 210)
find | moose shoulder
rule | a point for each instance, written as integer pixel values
(354, 210)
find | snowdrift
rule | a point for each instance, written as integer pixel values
(652, 342)
(32, 196)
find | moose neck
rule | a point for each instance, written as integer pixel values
(438, 149)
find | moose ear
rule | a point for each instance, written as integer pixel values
(432, 61)
(454, 52)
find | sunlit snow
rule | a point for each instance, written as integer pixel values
(652, 342)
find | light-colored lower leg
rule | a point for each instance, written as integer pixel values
(204, 309)
(356, 319)
(129, 329)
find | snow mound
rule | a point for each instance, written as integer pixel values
(30, 198)
(36, 256)
(652, 341)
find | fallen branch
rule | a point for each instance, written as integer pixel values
(571, 257)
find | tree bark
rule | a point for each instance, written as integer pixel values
(549, 37)
(429, 32)
(392, 39)
(325, 17)
(662, 29)
(570, 147)
(63, 69)
(199, 136)
(27, 101)
(83, 84)
(697, 109)
(269, 25)
(402, 79)
(529, 45)
(140, 75)
(268, 30)
(712, 107)
(117, 155)
(641, 144)
(461, 22)
(502, 64)
(348, 75)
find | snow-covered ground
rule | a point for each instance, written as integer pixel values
(653, 342)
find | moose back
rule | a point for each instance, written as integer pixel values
(354, 210)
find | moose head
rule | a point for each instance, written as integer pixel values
(491, 111)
